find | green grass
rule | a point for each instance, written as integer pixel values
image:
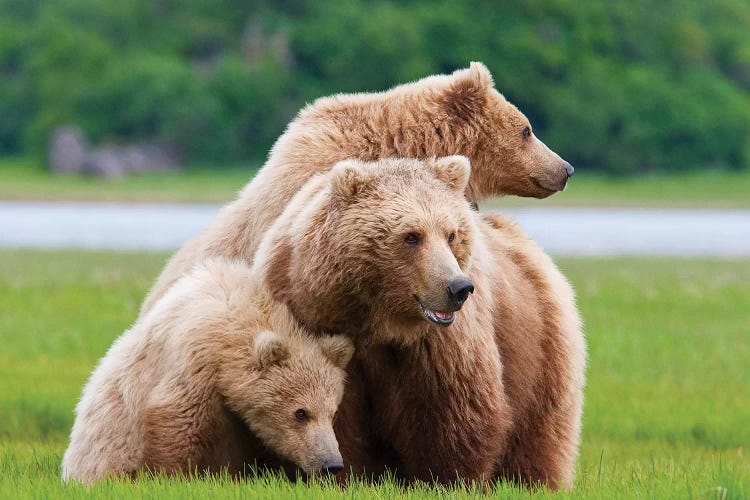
(704, 189)
(667, 401)
(24, 180)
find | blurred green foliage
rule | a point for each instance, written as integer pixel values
(621, 87)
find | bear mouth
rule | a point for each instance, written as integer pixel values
(437, 317)
(547, 189)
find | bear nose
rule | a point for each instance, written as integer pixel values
(459, 290)
(332, 467)
(568, 169)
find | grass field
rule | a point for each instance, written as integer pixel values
(667, 402)
(23, 180)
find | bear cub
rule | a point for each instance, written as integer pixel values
(215, 376)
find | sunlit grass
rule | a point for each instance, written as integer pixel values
(23, 179)
(699, 189)
(667, 399)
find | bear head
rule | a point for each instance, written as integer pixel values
(297, 389)
(377, 247)
(506, 155)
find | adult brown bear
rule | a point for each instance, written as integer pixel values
(388, 253)
(441, 115)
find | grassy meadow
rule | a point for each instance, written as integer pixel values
(24, 179)
(667, 400)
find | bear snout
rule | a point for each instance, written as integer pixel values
(332, 466)
(569, 170)
(459, 290)
(555, 180)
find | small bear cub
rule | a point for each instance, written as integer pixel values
(214, 377)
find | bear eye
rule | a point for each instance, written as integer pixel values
(412, 239)
(526, 133)
(301, 415)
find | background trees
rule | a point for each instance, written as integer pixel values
(621, 87)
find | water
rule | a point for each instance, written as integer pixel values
(560, 231)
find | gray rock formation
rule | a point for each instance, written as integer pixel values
(69, 152)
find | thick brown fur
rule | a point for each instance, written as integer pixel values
(541, 343)
(441, 115)
(212, 378)
(496, 394)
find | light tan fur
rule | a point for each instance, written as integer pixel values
(496, 394)
(461, 113)
(211, 378)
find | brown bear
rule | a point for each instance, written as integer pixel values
(217, 376)
(441, 115)
(388, 253)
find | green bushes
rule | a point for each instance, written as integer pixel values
(146, 95)
(621, 87)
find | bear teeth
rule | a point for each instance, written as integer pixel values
(440, 318)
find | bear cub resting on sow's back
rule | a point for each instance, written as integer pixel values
(213, 377)
(469, 360)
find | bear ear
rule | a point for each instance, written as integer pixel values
(481, 75)
(270, 349)
(453, 171)
(349, 178)
(468, 91)
(338, 349)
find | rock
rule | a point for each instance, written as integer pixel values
(69, 152)
(68, 149)
(150, 156)
(112, 161)
(106, 161)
